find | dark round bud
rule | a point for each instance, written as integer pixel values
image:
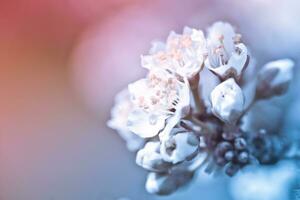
(229, 136)
(243, 157)
(232, 169)
(222, 148)
(229, 155)
(220, 161)
(240, 143)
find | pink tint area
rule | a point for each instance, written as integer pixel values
(61, 63)
(51, 146)
(106, 57)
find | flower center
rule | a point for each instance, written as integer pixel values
(162, 94)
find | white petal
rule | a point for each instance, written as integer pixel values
(227, 101)
(198, 36)
(183, 147)
(171, 123)
(187, 30)
(285, 67)
(147, 61)
(120, 111)
(150, 158)
(137, 87)
(133, 141)
(238, 59)
(225, 30)
(171, 37)
(236, 62)
(185, 100)
(144, 124)
(160, 184)
(157, 47)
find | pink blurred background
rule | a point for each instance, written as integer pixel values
(61, 62)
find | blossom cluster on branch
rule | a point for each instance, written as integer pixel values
(164, 118)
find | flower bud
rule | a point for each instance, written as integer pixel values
(161, 184)
(274, 78)
(220, 153)
(231, 169)
(229, 155)
(164, 184)
(179, 147)
(227, 100)
(243, 157)
(150, 158)
(240, 143)
(222, 148)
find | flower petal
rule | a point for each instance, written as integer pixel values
(179, 147)
(227, 101)
(150, 158)
(144, 124)
(235, 65)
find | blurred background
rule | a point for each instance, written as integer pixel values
(62, 62)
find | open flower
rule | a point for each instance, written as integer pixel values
(118, 121)
(274, 78)
(227, 56)
(227, 101)
(158, 99)
(182, 54)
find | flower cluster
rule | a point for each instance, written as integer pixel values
(164, 118)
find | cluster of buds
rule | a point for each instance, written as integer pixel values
(174, 131)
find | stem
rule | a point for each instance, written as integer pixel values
(192, 127)
(197, 121)
(204, 127)
(196, 91)
(200, 107)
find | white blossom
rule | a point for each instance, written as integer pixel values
(180, 137)
(179, 147)
(227, 101)
(158, 100)
(119, 118)
(150, 158)
(182, 54)
(274, 78)
(227, 57)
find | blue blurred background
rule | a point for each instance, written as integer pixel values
(61, 63)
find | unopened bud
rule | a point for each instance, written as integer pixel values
(164, 184)
(274, 78)
(227, 101)
(179, 147)
(150, 158)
